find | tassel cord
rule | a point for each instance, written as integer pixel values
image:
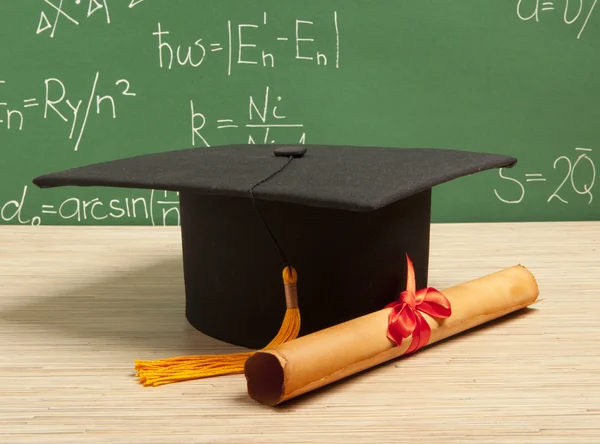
(185, 368)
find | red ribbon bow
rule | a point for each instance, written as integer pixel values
(406, 319)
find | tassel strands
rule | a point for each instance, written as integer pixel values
(185, 368)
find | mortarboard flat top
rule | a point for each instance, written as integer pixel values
(336, 177)
(345, 216)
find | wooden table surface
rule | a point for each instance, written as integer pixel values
(79, 304)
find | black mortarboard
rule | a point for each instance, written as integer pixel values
(344, 217)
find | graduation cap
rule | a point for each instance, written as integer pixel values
(340, 219)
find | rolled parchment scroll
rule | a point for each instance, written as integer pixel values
(304, 364)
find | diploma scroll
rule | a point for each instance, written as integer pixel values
(304, 364)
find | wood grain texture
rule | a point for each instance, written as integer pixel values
(79, 304)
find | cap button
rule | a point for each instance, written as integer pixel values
(287, 151)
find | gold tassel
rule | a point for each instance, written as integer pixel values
(185, 368)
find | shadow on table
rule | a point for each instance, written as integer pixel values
(142, 309)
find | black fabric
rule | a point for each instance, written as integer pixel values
(290, 151)
(337, 177)
(344, 216)
(349, 263)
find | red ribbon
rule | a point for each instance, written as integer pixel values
(406, 319)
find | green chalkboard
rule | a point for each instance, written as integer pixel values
(85, 81)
